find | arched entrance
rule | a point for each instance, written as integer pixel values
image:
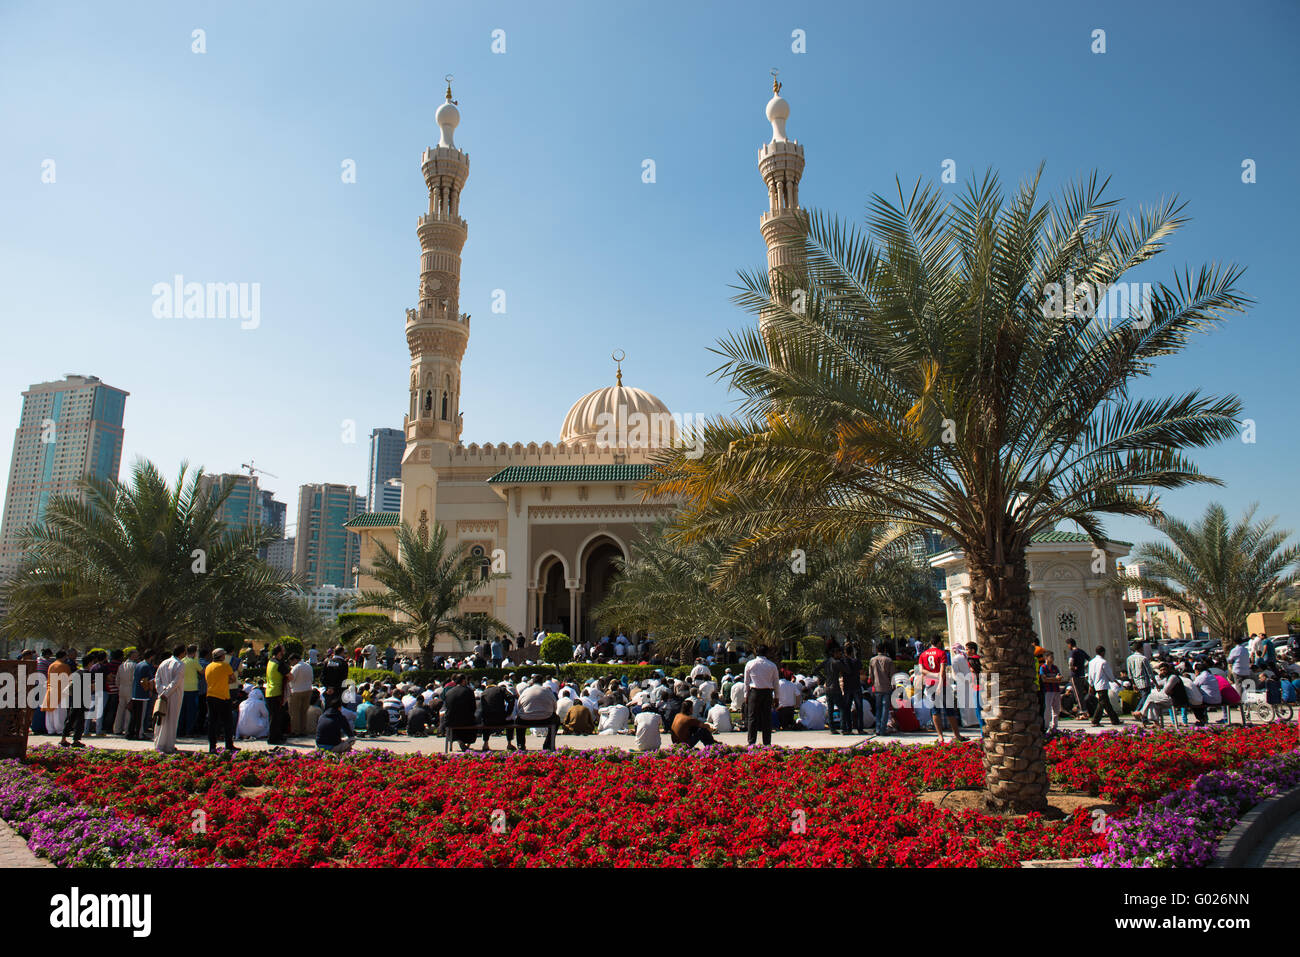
(555, 598)
(599, 571)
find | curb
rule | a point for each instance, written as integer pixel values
(1251, 830)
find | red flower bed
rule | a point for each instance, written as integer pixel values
(717, 807)
(1139, 766)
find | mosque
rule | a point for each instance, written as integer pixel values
(556, 515)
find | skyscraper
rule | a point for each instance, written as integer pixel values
(243, 506)
(67, 430)
(247, 505)
(386, 449)
(324, 552)
(390, 497)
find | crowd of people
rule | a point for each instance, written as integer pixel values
(277, 694)
(1153, 683)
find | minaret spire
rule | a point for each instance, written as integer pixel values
(781, 162)
(436, 331)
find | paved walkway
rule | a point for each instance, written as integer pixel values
(1281, 848)
(14, 852)
(401, 744)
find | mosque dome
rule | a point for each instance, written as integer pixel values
(619, 415)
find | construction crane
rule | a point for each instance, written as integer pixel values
(249, 465)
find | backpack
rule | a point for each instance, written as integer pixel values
(1194, 696)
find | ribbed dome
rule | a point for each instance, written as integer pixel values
(609, 417)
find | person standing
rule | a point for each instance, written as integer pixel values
(300, 682)
(1049, 677)
(276, 671)
(1101, 677)
(189, 715)
(111, 667)
(333, 675)
(973, 659)
(832, 671)
(881, 667)
(58, 679)
(219, 677)
(125, 685)
(1143, 677)
(142, 684)
(1078, 660)
(74, 699)
(1239, 665)
(851, 681)
(935, 671)
(761, 680)
(170, 682)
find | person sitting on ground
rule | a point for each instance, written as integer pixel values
(419, 720)
(254, 718)
(719, 717)
(314, 712)
(578, 719)
(812, 715)
(378, 721)
(648, 726)
(614, 717)
(687, 729)
(333, 732)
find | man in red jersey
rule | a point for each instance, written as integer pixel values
(935, 669)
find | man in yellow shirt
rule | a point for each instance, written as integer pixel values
(219, 677)
(277, 668)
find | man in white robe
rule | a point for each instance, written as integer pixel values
(169, 682)
(125, 680)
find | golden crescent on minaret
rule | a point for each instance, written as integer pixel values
(449, 77)
(776, 84)
(618, 355)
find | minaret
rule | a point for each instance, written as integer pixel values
(436, 331)
(781, 164)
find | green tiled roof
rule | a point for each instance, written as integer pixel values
(521, 474)
(1054, 537)
(1040, 538)
(374, 520)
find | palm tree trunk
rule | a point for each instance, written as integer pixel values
(1015, 774)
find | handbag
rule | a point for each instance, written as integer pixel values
(160, 707)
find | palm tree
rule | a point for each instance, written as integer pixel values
(1217, 571)
(424, 584)
(144, 563)
(947, 370)
(673, 590)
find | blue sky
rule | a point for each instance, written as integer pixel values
(225, 167)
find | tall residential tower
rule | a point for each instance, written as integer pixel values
(67, 430)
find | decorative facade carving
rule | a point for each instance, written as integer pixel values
(624, 513)
(471, 526)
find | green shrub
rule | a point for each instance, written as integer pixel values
(292, 646)
(557, 648)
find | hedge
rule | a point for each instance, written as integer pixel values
(571, 672)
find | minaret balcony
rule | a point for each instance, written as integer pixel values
(440, 218)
